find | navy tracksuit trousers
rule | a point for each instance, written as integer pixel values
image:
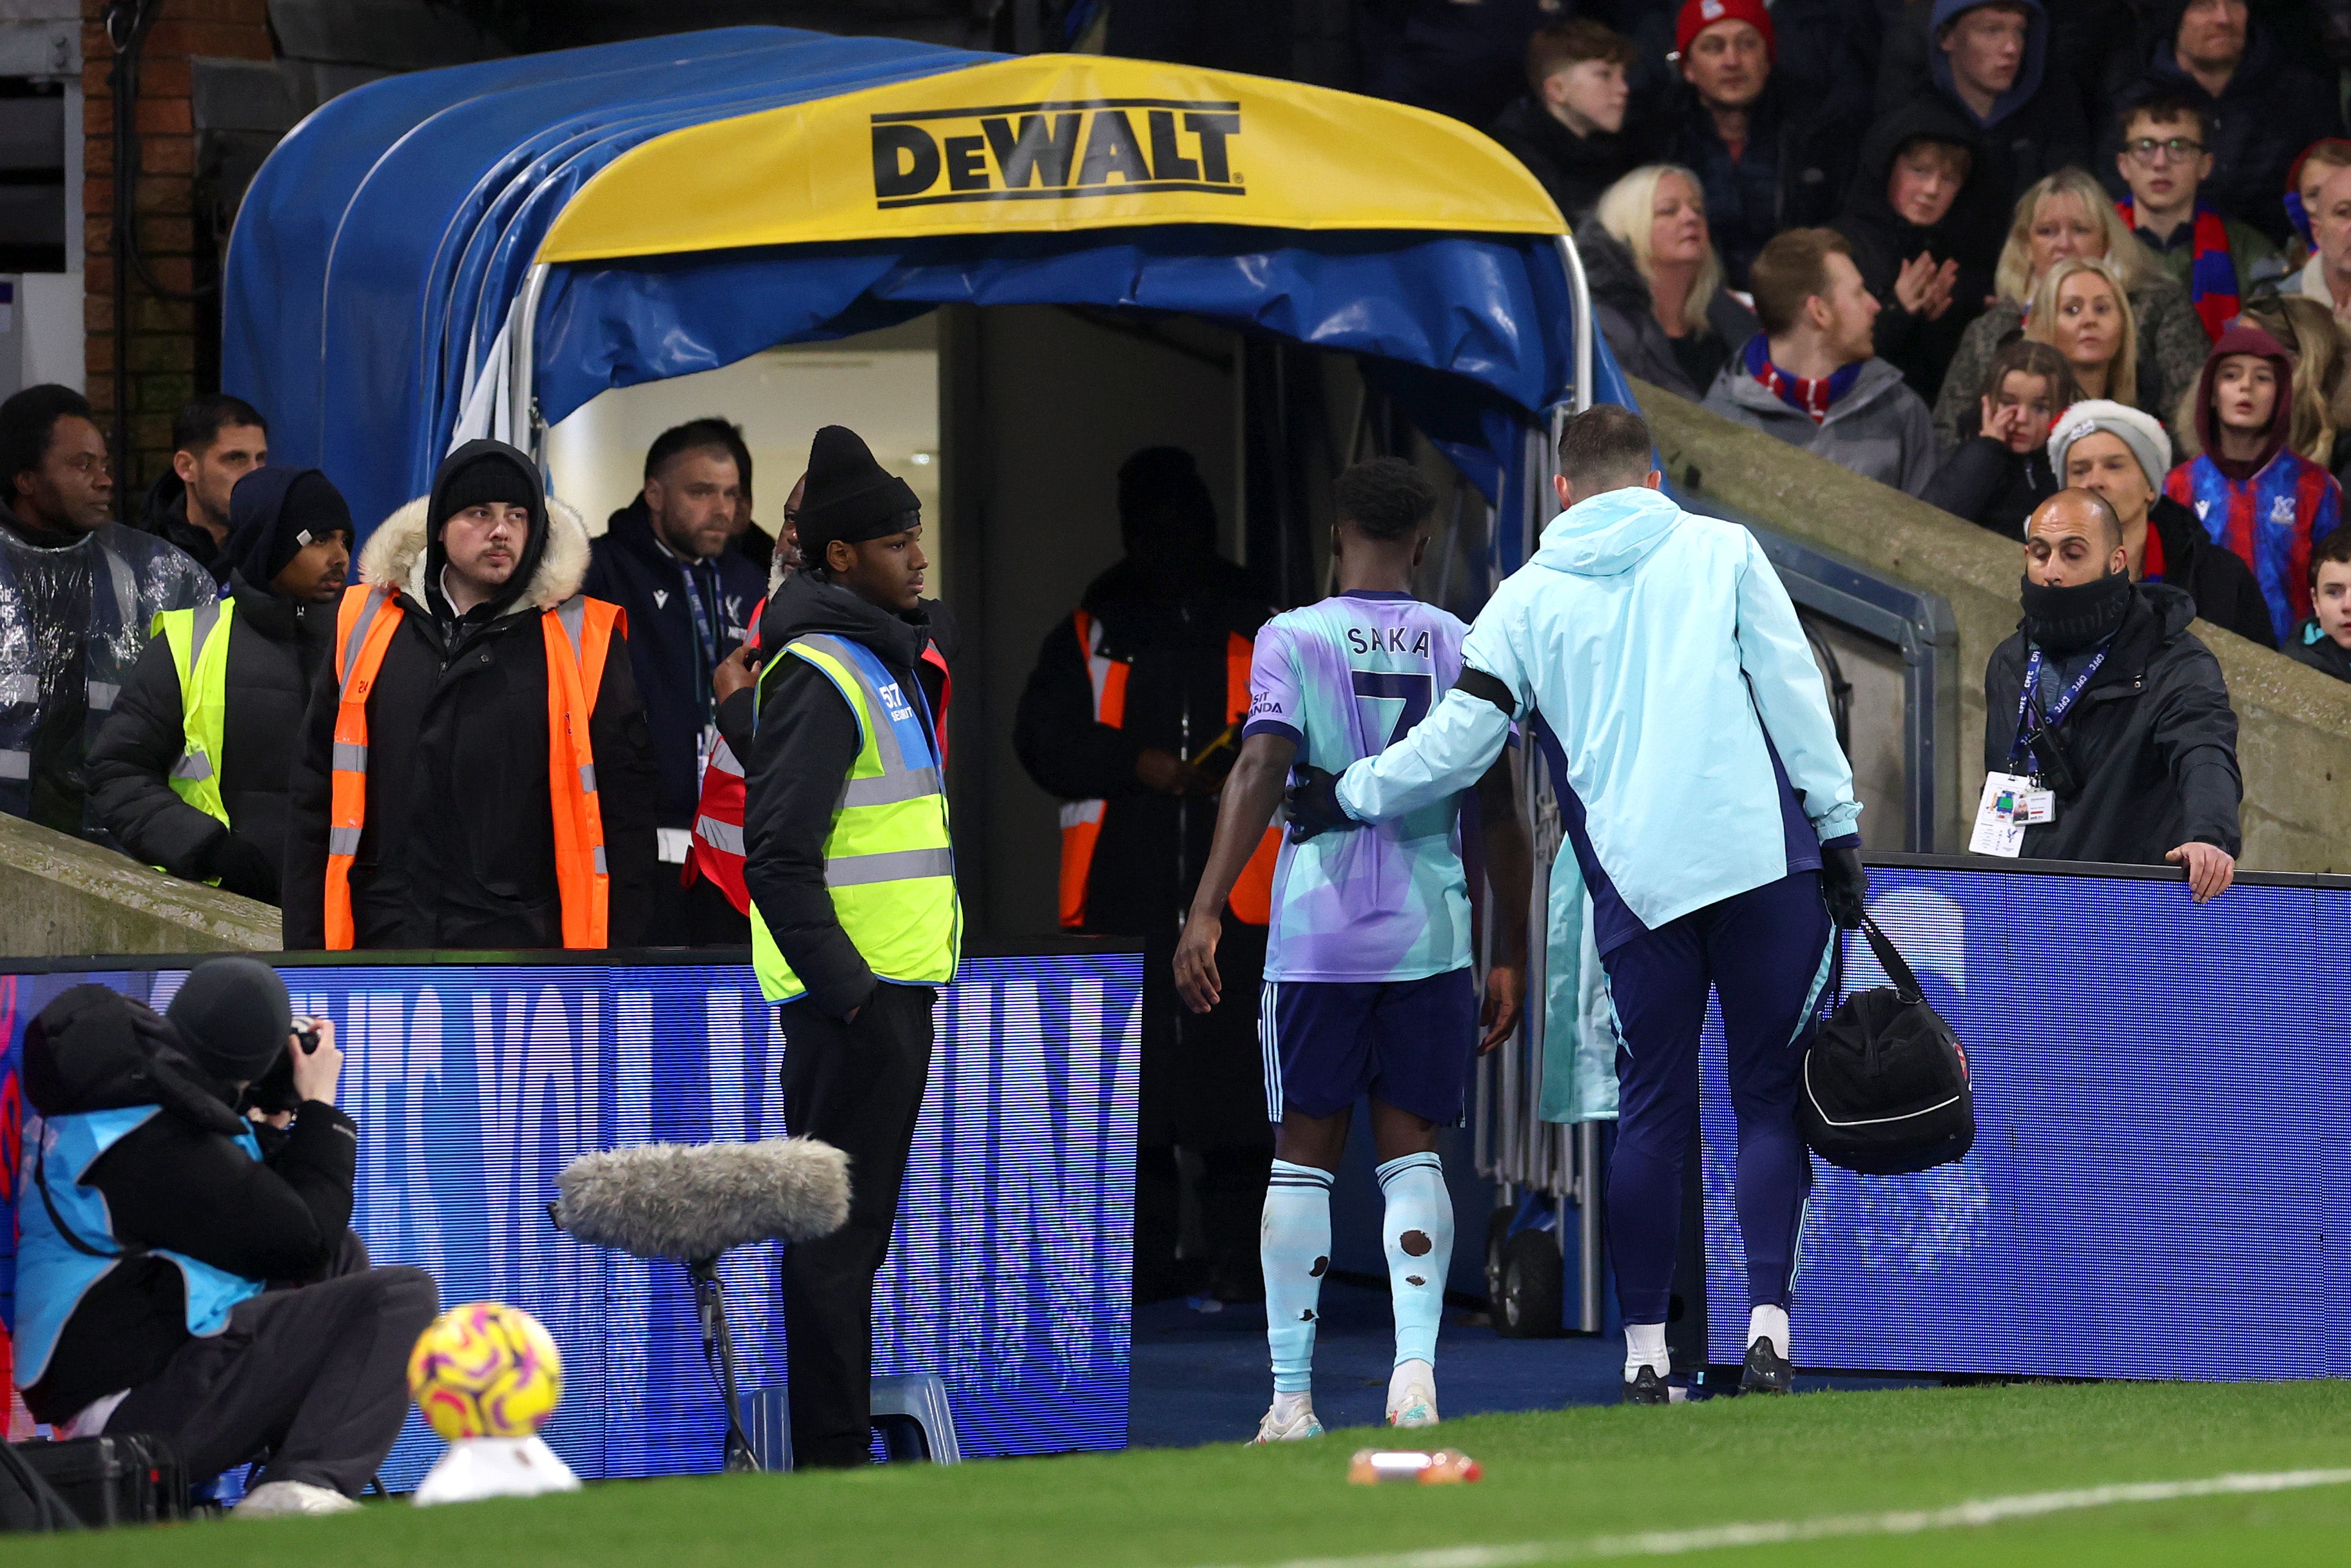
(1761, 952)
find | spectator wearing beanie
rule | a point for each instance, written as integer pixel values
(2264, 108)
(1810, 377)
(2253, 492)
(2123, 454)
(191, 770)
(1907, 220)
(1766, 161)
(2324, 641)
(1999, 476)
(441, 796)
(1656, 284)
(1568, 128)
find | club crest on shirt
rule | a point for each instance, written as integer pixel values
(2282, 510)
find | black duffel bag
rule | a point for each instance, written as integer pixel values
(1885, 1088)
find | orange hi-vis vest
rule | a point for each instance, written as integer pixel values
(1252, 896)
(578, 636)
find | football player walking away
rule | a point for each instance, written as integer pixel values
(1713, 817)
(1368, 983)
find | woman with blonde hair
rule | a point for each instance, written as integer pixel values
(2081, 308)
(2063, 215)
(1656, 283)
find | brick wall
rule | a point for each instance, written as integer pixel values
(174, 351)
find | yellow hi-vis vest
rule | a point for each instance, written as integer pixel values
(888, 861)
(198, 639)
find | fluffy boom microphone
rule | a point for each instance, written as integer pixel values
(694, 1201)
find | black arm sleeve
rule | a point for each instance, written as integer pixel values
(173, 1184)
(1969, 479)
(2196, 732)
(1054, 733)
(734, 718)
(807, 743)
(626, 789)
(129, 763)
(1476, 682)
(309, 811)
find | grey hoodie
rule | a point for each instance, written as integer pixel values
(1879, 428)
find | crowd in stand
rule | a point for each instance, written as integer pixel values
(1908, 237)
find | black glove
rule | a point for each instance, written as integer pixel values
(1844, 885)
(243, 868)
(1314, 804)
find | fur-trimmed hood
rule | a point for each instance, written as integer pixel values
(395, 553)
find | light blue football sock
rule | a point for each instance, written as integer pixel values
(1418, 1235)
(1295, 1244)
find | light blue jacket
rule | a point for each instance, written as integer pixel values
(1661, 649)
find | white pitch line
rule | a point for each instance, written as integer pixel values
(1782, 1532)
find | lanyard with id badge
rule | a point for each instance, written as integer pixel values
(2013, 802)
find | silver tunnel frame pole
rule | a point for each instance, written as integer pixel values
(522, 389)
(1579, 1144)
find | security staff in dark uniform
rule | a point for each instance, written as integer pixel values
(191, 771)
(854, 919)
(1133, 716)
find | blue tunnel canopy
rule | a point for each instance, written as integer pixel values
(699, 198)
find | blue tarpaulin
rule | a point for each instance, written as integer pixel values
(381, 248)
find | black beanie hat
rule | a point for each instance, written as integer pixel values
(273, 513)
(488, 477)
(235, 1017)
(848, 495)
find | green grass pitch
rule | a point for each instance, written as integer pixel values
(1566, 1477)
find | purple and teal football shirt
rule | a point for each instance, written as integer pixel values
(1345, 679)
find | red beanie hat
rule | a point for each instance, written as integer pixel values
(1698, 15)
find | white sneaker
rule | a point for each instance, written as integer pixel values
(1412, 1394)
(283, 1499)
(1301, 1426)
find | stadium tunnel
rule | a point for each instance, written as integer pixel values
(1081, 255)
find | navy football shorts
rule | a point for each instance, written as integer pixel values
(1410, 1043)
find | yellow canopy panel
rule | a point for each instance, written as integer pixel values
(1051, 142)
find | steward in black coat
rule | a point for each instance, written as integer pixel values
(276, 647)
(2152, 740)
(458, 847)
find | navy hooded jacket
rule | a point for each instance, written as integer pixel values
(2035, 128)
(628, 567)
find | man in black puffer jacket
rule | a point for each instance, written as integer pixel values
(187, 1274)
(2129, 723)
(192, 775)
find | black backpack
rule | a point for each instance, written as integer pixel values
(1884, 1089)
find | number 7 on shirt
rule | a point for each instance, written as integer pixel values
(1416, 692)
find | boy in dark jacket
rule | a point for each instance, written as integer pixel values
(222, 819)
(1569, 129)
(1925, 246)
(2324, 641)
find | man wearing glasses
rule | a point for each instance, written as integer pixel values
(77, 594)
(2163, 160)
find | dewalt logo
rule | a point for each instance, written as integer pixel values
(1055, 152)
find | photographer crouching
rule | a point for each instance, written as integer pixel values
(187, 1268)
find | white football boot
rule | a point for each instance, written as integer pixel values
(1412, 1394)
(1290, 1419)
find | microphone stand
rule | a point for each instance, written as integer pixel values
(719, 1350)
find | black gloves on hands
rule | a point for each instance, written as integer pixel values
(243, 869)
(1314, 804)
(1844, 885)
